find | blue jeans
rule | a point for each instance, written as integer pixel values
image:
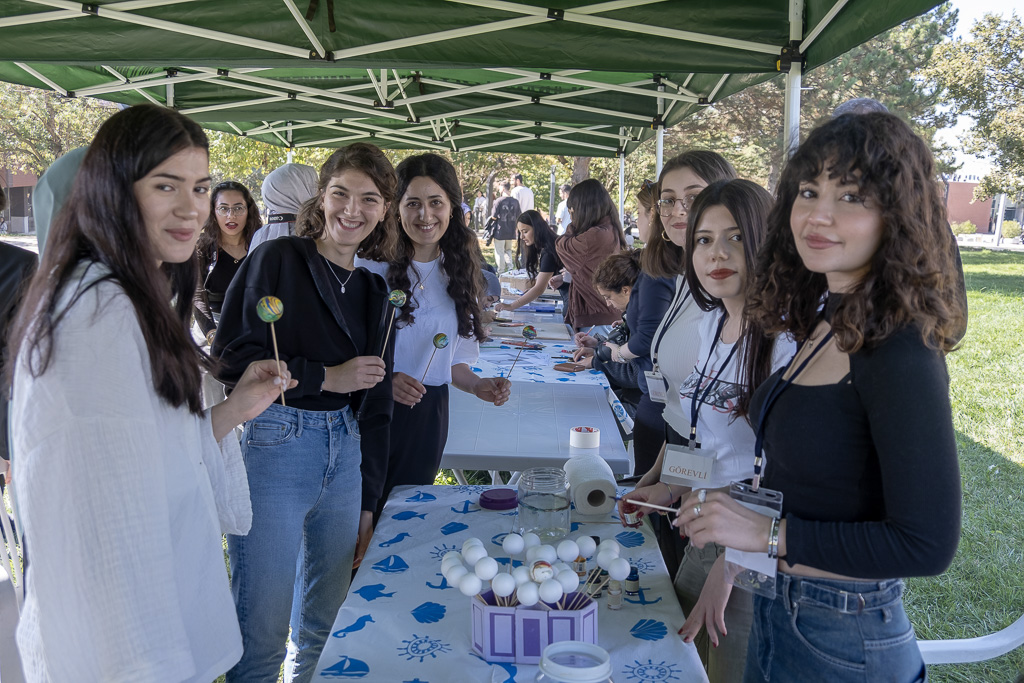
(294, 566)
(836, 631)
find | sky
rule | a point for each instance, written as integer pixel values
(971, 11)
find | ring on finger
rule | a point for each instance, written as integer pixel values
(702, 495)
(696, 509)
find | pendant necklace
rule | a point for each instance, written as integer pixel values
(336, 275)
(422, 279)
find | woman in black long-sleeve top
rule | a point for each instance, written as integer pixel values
(308, 462)
(857, 429)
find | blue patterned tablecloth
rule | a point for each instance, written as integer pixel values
(534, 366)
(402, 623)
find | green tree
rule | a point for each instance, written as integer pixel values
(38, 126)
(984, 78)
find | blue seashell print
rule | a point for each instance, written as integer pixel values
(453, 528)
(392, 564)
(648, 629)
(407, 515)
(348, 667)
(421, 497)
(429, 613)
(630, 539)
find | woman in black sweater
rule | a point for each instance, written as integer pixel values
(857, 429)
(308, 461)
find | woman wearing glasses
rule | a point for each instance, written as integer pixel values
(233, 220)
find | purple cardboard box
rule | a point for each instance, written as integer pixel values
(520, 634)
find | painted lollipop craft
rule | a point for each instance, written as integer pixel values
(397, 299)
(529, 333)
(440, 342)
(270, 309)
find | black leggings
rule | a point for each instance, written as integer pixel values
(418, 436)
(648, 434)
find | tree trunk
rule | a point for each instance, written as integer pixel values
(580, 169)
(490, 191)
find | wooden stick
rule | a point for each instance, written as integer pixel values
(387, 336)
(514, 363)
(273, 336)
(428, 365)
(640, 503)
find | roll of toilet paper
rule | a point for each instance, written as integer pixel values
(591, 484)
(584, 437)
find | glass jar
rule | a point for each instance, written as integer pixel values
(544, 503)
(572, 662)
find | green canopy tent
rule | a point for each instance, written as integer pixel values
(563, 76)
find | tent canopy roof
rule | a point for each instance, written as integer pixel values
(558, 77)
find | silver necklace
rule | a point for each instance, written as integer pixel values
(429, 273)
(336, 275)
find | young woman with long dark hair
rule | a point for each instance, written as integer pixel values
(857, 429)
(125, 484)
(316, 467)
(540, 259)
(437, 265)
(234, 219)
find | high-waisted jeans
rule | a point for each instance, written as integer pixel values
(294, 566)
(835, 631)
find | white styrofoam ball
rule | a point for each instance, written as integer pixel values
(528, 594)
(513, 544)
(604, 558)
(455, 573)
(618, 569)
(587, 546)
(474, 554)
(531, 554)
(570, 580)
(452, 554)
(560, 566)
(448, 563)
(611, 545)
(521, 574)
(470, 542)
(503, 584)
(470, 584)
(550, 591)
(531, 539)
(568, 550)
(486, 568)
(547, 553)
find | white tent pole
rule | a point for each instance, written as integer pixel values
(622, 187)
(291, 153)
(791, 114)
(659, 154)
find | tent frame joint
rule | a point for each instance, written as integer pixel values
(790, 55)
(91, 8)
(556, 14)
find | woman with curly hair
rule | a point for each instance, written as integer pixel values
(234, 219)
(540, 260)
(437, 265)
(316, 461)
(857, 430)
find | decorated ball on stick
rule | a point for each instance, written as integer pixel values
(440, 340)
(269, 309)
(397, 298)
(529, 332)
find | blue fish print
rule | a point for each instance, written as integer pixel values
(630, 539)
(407, 515)
(453, 528)
(443, 584)
(356, 625)
(429, 613)
(392, 564)
(465, 508)
(397, 539)
(348, 667)
(370, 593)
(648, 629)
(421, 497)
(511, 670)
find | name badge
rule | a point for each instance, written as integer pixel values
(687, 465)
(657, 387)
(754, 571)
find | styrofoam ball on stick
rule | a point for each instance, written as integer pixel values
(618, 569)
(486, 568)
(550, 590)
(513, 544)
(474, 554)
(547, 553)
(587, 546)
(452, 555)
(531, 554)
(521, 574)
(455, 574)
(605, 558)
(447, 564)
(528, 594)
(470, 542)
(531, 539)
(503, 585)
(570, 580)
(610, 545)
(568, 550)
(470, 585)
(560, 567)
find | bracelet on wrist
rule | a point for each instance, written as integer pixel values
(773, 538)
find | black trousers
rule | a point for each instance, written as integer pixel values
(648, 433)
(418, 436)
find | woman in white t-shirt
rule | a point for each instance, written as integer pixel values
(727, 224)
(438, 268)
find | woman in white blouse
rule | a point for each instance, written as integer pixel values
(438, 268)
(124, 483)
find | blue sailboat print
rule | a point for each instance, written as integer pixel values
(421, 497)
(392, 564)
(348, 667)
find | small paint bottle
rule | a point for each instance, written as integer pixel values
(633, 582)
(579, 565)
(614, 594)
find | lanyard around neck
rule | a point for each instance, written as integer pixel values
(776, 389)
(669, 319)
(698, 398)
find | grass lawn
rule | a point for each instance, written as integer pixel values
(983, 590)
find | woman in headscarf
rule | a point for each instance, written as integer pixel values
(285, 190)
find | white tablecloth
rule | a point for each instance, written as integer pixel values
(403, 623)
